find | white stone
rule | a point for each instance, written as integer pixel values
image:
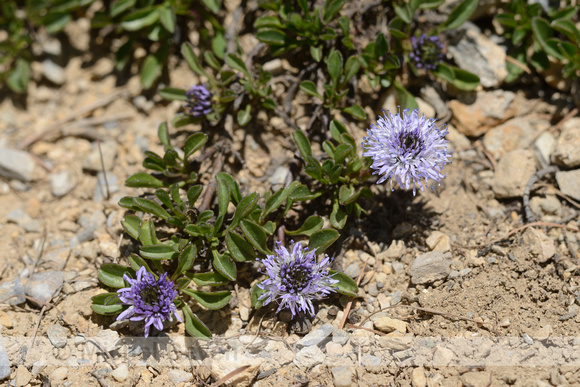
(308, 357)
(387, 324)
(121, 373)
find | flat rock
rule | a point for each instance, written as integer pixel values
(12, 288)
(4, 363)
(316, 337)
(222, 365)
(388, 325)
(16, 164)
(21, 218)
(540, 246)
(308, 357)
(513, 172)
(23, 376)
(418, 378)
(61, 183)
(177, 376)
(438, 241)
(340, 337)
(474, 52)
(442, 357)
(369, 360)
(543, 147)
(566, 151)
(395, 251)
(487, 111)
(430, 267)
(342, 376)
(516, 133)
(475, 379)
(43, 286)
(93, 161)
(569, 183)
(53, 72)
(57, 335)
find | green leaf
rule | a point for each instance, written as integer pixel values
(56, 21)
(310, 88)
(312, 224)
(405, 98)
(430, 4)
(157, 252)
(457, 77)
(223, 197)
(218, 46)
(350, 69)
(404, 13)
(338, 217)
(194, 143)
(271, 36)
(167, 18)
(321, 240)
(143, 180)
(107, 303)
(302, 193)
(235, 194)
(140, 19)
(210, 300)
(244, 115)
(334, 66)
(256, 235)
(543, 33)
(213, 5)
(244, 209)
(111, 274)
(163, 133)
(336, 130)
(237, 64)
(137, 263)
(121, 6)
(302, 143)
(19, 76)
(239, 248)
(194, 326)
(151, 207)
(224, 265)
(191, 59)
(131, 225)
(150, 71)
(316, 53)
(567, 28)
(345, 284)
(193, 194)
(147, 234)
(274, 202)
(331, 8)
(356, 111)
(183, 119)
(186, 260)
(208, 279)
(268, 22)
(173, 94)
(459, 15)
(342, 152)
(255, 294)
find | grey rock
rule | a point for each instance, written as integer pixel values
(353, 270)
(434, 98)
(430, 267)
(57, 335)
(340, 337)
(61, 183)
(177, 376)
(43, 286)
(16, 164)
(373, 290)
(22, 219)
(528, 339)
(51, 46)
(543, 147)
(370, 360)
(12, 288)
(317, 337)
(308, 357)
(475, 53)
(279, 175)
(398, 267)
(569, 183)
(135, 350)
(108, 339)
(143, 104)
(516, 133)
(101, 187)
(513, 172)
(396, 297)
(53, 72)
(4, 363)
(566, 149)
(342, 376)
(93, 161)
(442, 357)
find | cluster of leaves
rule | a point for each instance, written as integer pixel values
(21, 21)
(286, 28)
(202, 246)
(538, 35)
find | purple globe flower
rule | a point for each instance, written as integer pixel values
(426, 52)
(295, 279)
(198, 101)
(149, 300)
(408, 148)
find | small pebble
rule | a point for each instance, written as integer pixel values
(57, 335)
(121, 373)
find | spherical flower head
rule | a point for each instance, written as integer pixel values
(149, 299)
(427, 52)
(295, 279)
(407, 148)
(198, 101)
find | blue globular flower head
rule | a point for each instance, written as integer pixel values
(407, 148)
(149, 299)
(198, 101)
(427, 52)
(295, 279)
